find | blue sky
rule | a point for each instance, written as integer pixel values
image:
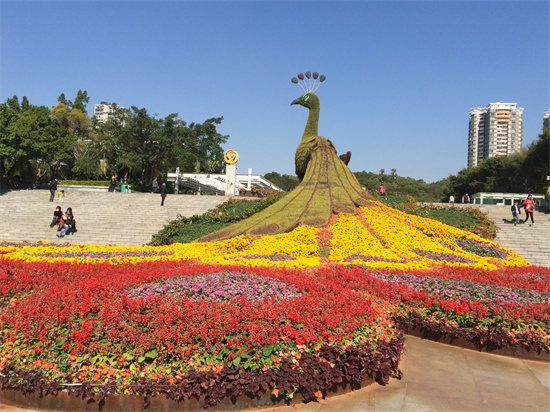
(402, 76)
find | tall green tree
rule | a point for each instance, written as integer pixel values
(32, 144)
(80, 102)
(145, 147)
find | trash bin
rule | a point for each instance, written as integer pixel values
(126, 188)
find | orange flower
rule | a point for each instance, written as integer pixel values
(275, 392)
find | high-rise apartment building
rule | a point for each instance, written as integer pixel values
(495, 130)
(103, 111)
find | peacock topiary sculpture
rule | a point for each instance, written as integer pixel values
(327, 186)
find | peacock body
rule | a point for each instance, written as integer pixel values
(327, 186)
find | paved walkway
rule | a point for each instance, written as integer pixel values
(441, 378)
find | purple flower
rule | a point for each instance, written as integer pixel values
(218, 287)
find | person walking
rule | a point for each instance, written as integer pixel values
(452, 200)
(529, 206)
(163, 193)
(53, 189)
(155, 185)
(515, 212)
(466, 198)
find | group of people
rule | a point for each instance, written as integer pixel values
(529, 206)
(465, 199)
(64, 221)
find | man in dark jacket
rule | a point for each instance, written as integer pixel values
(53, 188)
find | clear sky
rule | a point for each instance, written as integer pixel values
(402, 76)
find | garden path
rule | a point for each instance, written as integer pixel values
(440, 378)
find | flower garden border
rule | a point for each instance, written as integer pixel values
(459, 339)
(66, 402)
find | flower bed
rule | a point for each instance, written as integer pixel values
(294, 312)
(490, 309)
(379, 237)
(218, 287)
(90, 325)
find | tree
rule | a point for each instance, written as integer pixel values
(80, 101)
(208, 141)
(147, 147)
(285, 182)
(521, 172)
(32, 143)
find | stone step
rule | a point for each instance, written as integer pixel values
(101, 218)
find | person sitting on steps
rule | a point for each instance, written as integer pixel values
(57, 213)
(70, 224)
(61, 224)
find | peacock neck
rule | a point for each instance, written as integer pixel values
(312, 123)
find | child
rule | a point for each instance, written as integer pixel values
(515, 212)
(61, 195)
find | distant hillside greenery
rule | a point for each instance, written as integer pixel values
(417, 188)
(523, 172)
(420, 190)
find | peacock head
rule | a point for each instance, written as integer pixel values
(310, 83)
(308, 99)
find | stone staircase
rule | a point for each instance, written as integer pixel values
(101, 217)
(530, 242)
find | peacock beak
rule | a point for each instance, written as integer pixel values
(296, 101)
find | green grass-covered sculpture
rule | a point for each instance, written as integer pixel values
(327, 185)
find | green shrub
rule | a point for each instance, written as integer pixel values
(86, 182)
(471, 219)
(187, 229)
